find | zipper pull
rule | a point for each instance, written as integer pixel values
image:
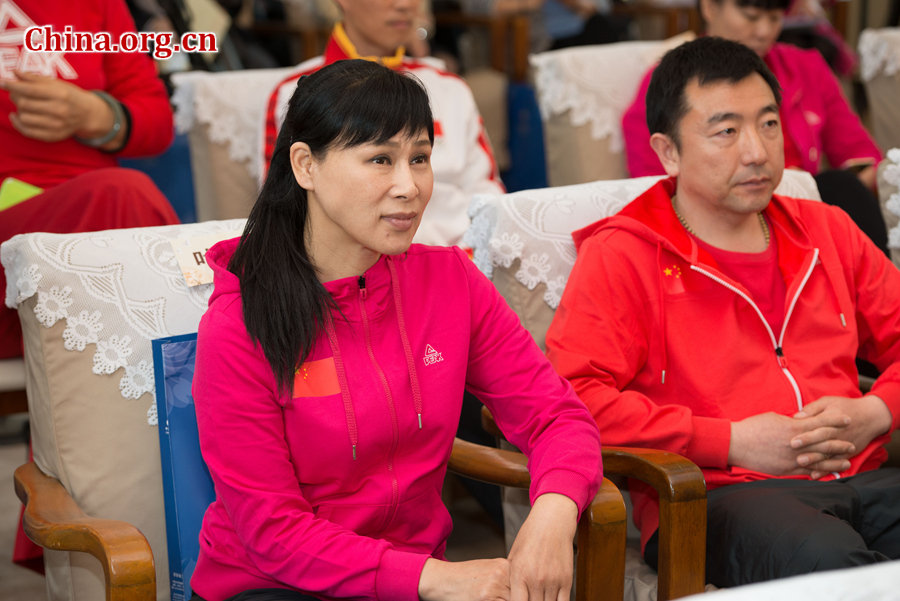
(779, 353)
(362, 286)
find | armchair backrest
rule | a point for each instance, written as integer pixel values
(582, 93)
(89, 305)
(879, 61)
(523, 241)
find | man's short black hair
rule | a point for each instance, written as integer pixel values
(708, 60)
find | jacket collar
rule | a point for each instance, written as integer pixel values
(340, 47)
(651, 216)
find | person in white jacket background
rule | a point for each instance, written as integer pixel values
(463, 160)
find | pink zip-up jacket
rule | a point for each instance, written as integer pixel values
(667, 351)
(815, 116)
(335, 490)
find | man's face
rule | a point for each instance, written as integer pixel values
(378, 27)
(756, 28)
(731, 154)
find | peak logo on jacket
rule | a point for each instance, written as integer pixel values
(432, 356)
(14, 56)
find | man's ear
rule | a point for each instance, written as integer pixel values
(667, 151)
(302, 163)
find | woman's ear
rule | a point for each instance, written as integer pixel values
(667, 151)
(708, 10)
(302, 162)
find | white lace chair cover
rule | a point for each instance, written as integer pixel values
(233, 104)
(879, 52)
(116, 291)
(535, 226)
(891, 175)
(596, 83)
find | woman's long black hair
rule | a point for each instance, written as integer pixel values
(345, 104)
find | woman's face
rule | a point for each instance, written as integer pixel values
(756, 28)
(366, 200)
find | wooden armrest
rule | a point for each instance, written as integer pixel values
(682, 514)
(600, 562)
(682, 510)
(53, 520)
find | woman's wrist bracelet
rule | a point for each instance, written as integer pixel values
(118, 122)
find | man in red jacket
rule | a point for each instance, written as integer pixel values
(714, 319)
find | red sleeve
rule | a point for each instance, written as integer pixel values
(640, 158)
(131, 78)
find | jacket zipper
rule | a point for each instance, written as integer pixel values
(395, 427)
(777, 344)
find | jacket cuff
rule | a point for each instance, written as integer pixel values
(710, 441)
(889, 392)
(567, 483)
(398, 575)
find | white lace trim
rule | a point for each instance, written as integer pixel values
(535, 226)
(891, 175)
(596, 83)
(879, 52)
(114, 290)
(233, 104)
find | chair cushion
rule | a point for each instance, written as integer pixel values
(89, 305)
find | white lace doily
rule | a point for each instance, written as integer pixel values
(535, 226)
(116, 290)
(891, 175)
(596, 83)
(879, 52)
(233, 104)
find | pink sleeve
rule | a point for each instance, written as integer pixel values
(131, 78)
(535, 408)
(640, 158)
(844, 138)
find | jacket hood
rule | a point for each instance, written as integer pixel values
(652, 218)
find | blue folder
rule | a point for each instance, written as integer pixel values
(187, 486)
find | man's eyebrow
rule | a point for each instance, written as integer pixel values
(719, 117)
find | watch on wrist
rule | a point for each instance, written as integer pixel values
(118, 122)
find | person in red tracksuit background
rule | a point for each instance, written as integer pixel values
(66, 118)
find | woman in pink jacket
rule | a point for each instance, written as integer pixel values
(331, 367)
(822, 134)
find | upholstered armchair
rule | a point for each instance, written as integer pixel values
(879, 68)
(583, 93)
(522, 241)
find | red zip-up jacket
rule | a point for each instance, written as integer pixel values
(335, 489)
(667, 351)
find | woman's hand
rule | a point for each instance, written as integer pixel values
(475, 580)
(51, 110)
(542, 556)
